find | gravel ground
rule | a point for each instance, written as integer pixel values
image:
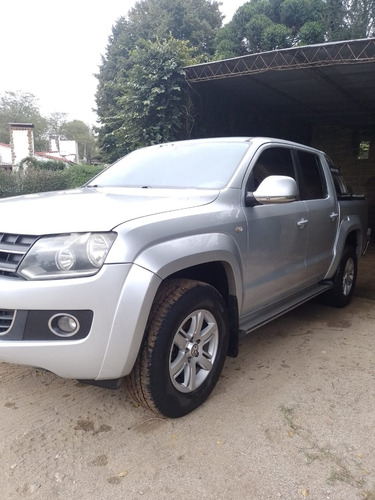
(291, 418)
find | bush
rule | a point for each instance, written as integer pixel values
(79, 174)
(41, 165)
(36, 180)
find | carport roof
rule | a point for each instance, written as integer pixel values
(332, 83)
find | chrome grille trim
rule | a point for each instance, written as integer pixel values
(12, 249)
(7, 317)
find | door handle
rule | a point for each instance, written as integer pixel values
(302, 223)
(333, 216)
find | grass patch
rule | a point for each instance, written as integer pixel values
(289, 417)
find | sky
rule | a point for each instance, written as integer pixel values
(53, 50)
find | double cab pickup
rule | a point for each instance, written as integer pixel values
(153, 270)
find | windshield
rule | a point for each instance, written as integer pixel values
(199, 165)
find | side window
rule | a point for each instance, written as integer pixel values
(272, 161)
(342, 190)
(311, 182)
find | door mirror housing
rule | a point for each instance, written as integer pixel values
(274, 189)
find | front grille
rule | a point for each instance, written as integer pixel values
(6, 320)
(12, 249)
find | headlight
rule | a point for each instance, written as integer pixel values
(66, 256)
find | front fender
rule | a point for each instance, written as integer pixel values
(149, 269)
(169, 257)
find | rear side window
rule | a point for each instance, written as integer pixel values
(272, 161)
(312, 185)
(341, 188)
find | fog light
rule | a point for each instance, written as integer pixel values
(64, 325)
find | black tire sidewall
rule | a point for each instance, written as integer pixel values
(167, 399)
(336, 295)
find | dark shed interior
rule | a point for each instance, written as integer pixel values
(320, 95)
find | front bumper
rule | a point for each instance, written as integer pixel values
(114, 305)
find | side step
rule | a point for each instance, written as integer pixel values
(269, 313)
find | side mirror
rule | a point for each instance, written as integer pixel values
(273, 189)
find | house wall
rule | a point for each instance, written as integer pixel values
(343, 146)
(5, 155)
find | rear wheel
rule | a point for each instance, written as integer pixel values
(184, 349)
(344, 280)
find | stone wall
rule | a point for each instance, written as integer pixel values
(21, 142)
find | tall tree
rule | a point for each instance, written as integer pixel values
(360, 18)
(158, 22)
(56, 121)
(22, 107)
(261, 25)
(78, 131)
(154, 106)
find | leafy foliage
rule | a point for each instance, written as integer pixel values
(36, 180)
(56, 121)
(80, 174)
(41, 165)
(22, 107)
(261, 25)
(153, 107)
(158, 26)
(359, 18)
(142, 97)
(310, 33)
(77, 130)
(31, 181)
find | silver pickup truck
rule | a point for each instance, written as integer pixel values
(155, 268)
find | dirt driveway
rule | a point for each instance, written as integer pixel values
(291, 418)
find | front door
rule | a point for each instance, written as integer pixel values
(277, 238)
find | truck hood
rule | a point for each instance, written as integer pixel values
(92, 209)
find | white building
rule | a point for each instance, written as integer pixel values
(22, 146)
(21, 141)
(5, 156)
(63, 148)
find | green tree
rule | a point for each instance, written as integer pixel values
(22, 107)
(226, 46)
(277, 36)
(360, 18)
(155, 106)
(261, 25)
(335, 23)
(56, 120)
(77, 130)
(254, 32)
(295, 13)
(192, 21)
(310, 33)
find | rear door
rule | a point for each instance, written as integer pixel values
(322, 213)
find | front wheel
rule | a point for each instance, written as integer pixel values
(344, 280)
(184, 348)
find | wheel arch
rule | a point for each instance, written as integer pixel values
(212, 258)
(220, 276)
(350, 234)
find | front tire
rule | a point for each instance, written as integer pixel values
(184, 349)
(344, 280)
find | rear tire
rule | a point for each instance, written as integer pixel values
(344, 280)
(184, 349)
